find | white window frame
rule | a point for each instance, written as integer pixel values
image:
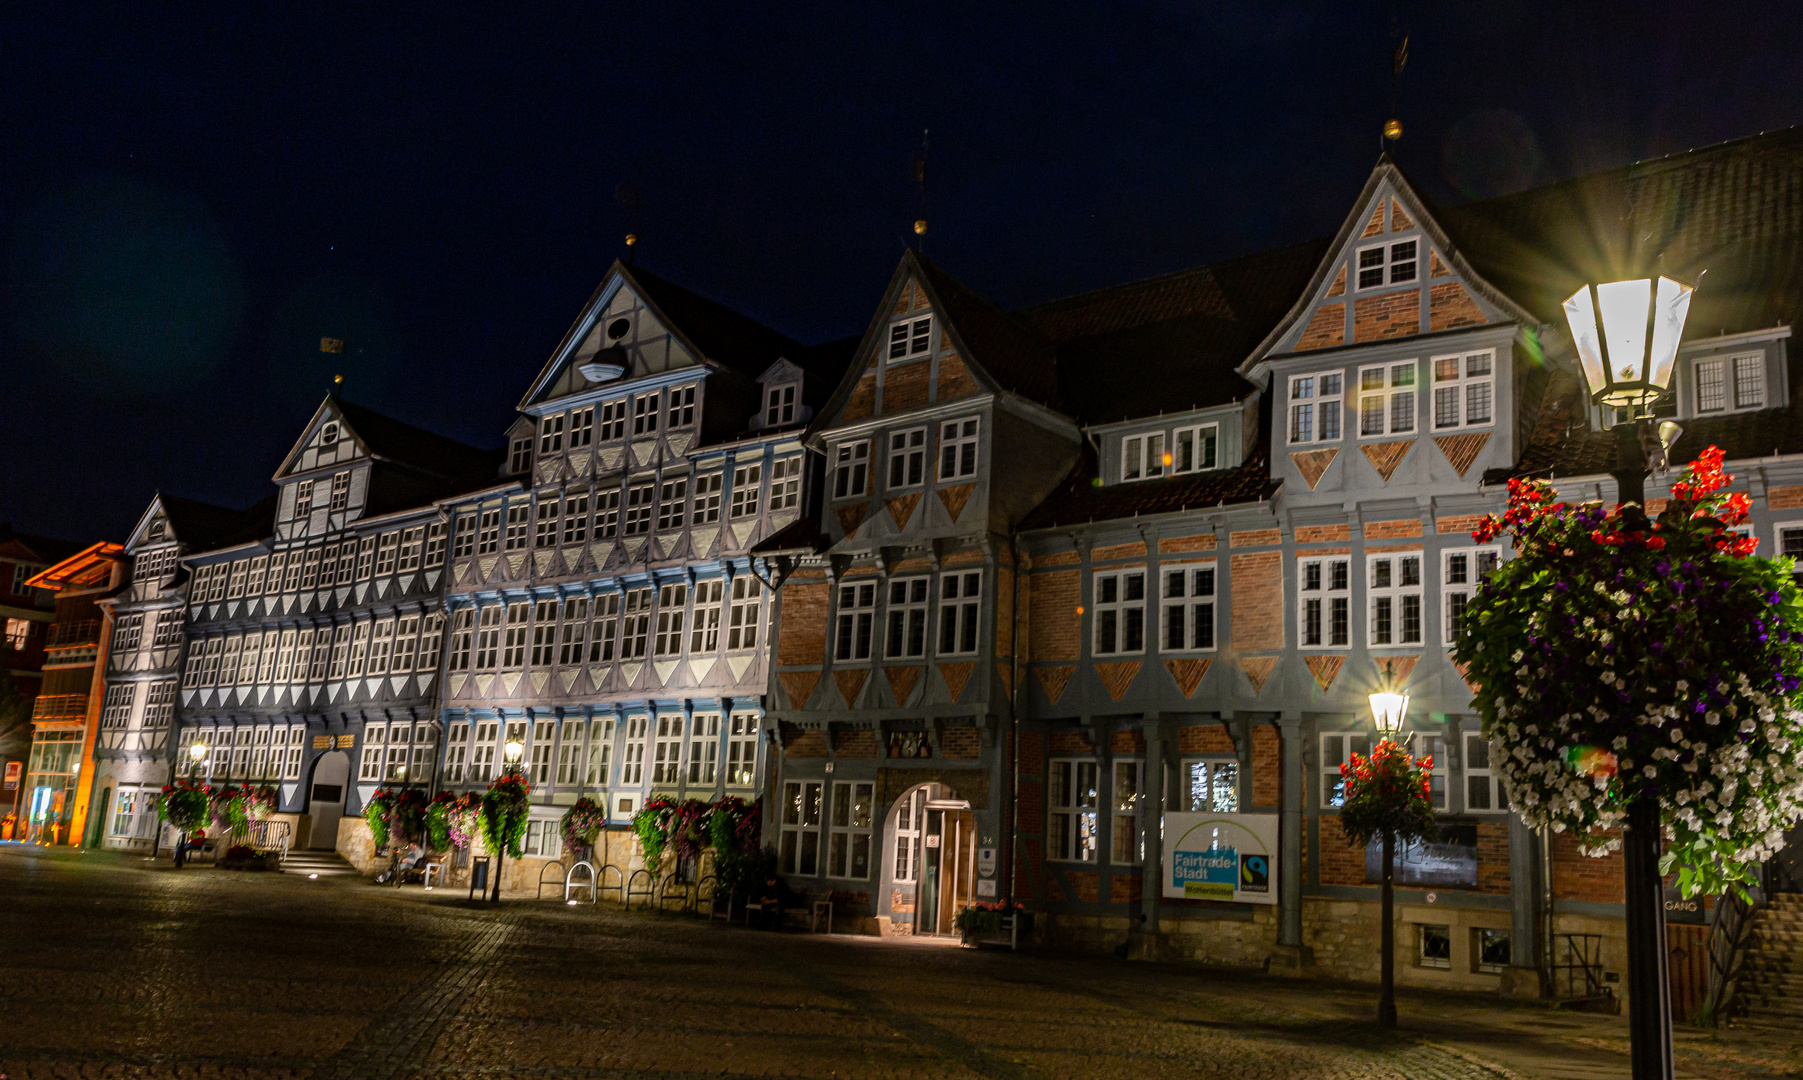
(641, 507)
(513, 648)
(1073, 830)
(1335, 748)
(575, 518)
(1734, 380)
(907, 461)
(745, 617)
(1309, 395)
(1480, 775)
(1187, 445)
(960, 613)
(635, 624)
(550, 434)
(1389, 598)
(600, 751)
(1187, 606)
(456, 753)
(1118, 615)
(632, 760)
(482, 751)
(569, 752)
(1434, 744)
(851, 469)
(800, 814)
(746, 480)
(543, 840)
(780, 404)
(905, 618)
(1393, 265)
(1210, 784)
(672, 609)
(704, 629)
(672, 504)
(909, 339)
(1461, 569)
(849, 819)
(854, 621)
(1463, 384)
(544, 634)
(1331, 600)
(701, 761)
(785, 483)
(959, 447)
(742, 734)
(544, 740)
(1143, 456)
(1396, 392)
(707, 498)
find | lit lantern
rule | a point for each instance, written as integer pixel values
(1387, 710)
(1627, 337)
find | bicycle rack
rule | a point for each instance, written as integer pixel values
(618, 888)
(570, 883)
(558, 878)
(649, 892)
(712, 885)
(673, 888)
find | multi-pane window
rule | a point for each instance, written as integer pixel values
(359, 649)
(216, 584)
(960, 612)
(406, 641)
(310, 569)
(235, 588)
(635, 626)
(779, 405)
(115, 710)
(228, 671)
(319, 649)
(550, 435)
(799, 852)
(1483, 790)
(671, 502)
(1388, 264)
(1790, 545)
(544, 839)
(1393, 593)
(907, 458)
(604, 633)
(543, 733)
(366, 559)
(1211, 786)
(513, 656)
(910, 822)
(632, 763)
(341, 490)
(544, 634)
(544, 530)
(1730, 382)
(381, 641)
(463, 539)
(613, 420)
(1464, 390)
(435, 544)
(347, 561)
(745, 481)
(1120, 612)
(1315, 406)
(575, 519)
(1434, 747)
(253, 655)
(168, 629)
(1073, 798)
(520, 459)
(785, 483)
(575, 631)
(1387, 399)
(1324, 604)
(1129, 803)
(856, 621)
(431, 637)
(848, 831)
(851, 468)
(644, 414)
(707, 498)
(672, 606)
(253, 585)
(704, 635)
(1189, 607)
(303, 499)
(742, 619)
(582, 428)
(284, 667)
(666, 752)
(1336, 750)
(1461, 571)
(375, 745)
(386, 552)
(704, 749)
(682, 407)
(488, 637)
(482, 752)
(462, 635)
(328, 567)
(958, 448)
(1194, 449)
(518, 517)
(641, 500)
(489, 541)
(742, 750)
(569, 754)
(128, 633)
(907, 618)
(159, 705)
(1143, 456)
(910, 338)
(607, 513)
(600, 751)
(413, 547)
(1433, 945)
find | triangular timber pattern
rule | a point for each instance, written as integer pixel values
(850, 517)
(901, 508)
(799, 685)
(955, 676)
(1188, 674)
(1394, 670)
(851, 683)
(1326, 669)
(1462, 450)
(1258, 670)
(1386, 456)
(902, 681)
(1312, 464)
(954, 498)
(1053, 680)
(1399, 218)
(1118, 677)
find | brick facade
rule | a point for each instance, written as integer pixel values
(1053, 630)
(1257, 603)
(803, 639)
(1267, 766)
(1392, 315)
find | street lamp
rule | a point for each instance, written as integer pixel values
(513, 748)
(1387, 710)
(1627, 335)
(1388, 706)
(197, 753)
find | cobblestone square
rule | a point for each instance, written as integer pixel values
(116, 967)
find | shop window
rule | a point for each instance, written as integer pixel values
(1433, 946)
(1071, 833)
(1490, 950)
(1212, 787)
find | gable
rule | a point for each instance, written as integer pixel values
(619, 336)
(1391, 273)
(153, 527)
(327, 440)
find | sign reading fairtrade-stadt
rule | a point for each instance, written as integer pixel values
(1221, 857)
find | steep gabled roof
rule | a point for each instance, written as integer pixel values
(205, 527)
(1015, 355)
(718, 332)
(401, 442)
(46, 549)
(1079, 500)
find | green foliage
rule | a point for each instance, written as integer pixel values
(184, 805)
(375, 812)
(582, 822)
(504, 812)
(1618, 658)
(739, 872)
(652, 826)
(1387, 792)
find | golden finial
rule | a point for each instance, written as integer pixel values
(631, 239)
(1392, 129)
(920, 227)
(338, 380)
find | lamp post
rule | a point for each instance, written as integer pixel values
(1387, 710)
(514, 748)
(1627, 335)
(197, 752)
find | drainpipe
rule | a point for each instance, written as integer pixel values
(1014, 675)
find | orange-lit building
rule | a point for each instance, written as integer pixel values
(25, 616)
(55, 800)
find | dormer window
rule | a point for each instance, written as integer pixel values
(1730, 383)
(520, 459)
(682, 407)
(910, 338)
(1315, 406)
(1388, 264)
(1143, 456)
(328, 435)
(779, 405)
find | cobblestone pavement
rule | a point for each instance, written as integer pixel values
(115, 968)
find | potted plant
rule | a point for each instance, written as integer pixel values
(582, 823)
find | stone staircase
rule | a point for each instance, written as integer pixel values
(317, 863)
(1770, 994)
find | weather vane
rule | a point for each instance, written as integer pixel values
(917, 168)
(1398, 60)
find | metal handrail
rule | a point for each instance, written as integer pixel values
(1583, 956)
(1730, 930)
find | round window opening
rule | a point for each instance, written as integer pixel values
(617, 329)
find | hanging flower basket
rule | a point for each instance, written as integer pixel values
(1387, 792)
(184, 805)
(582, 823)
(505, 807)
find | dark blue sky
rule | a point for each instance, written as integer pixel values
(189, 201)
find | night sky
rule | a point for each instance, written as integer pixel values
(189, 201)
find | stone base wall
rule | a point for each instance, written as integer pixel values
(1220, 942)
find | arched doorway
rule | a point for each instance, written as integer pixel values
(325, 799)
(929, 860)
